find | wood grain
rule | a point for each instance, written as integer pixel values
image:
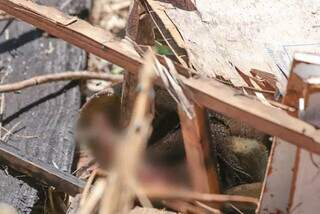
(45, 115)
(202, 167)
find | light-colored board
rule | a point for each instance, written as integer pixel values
(276, 190)
(250, 34)
(306, 185)
(292, 184)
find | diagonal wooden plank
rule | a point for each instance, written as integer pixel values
(268, 119)
(202, 167)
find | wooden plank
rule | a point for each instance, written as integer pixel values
(305, 189)
(40, 171)
(248, 34)
(299, 194)
(44, 117)
(275, 195)
(202, 168)
(268, 119)
(209, 93)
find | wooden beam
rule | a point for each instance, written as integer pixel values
(300, 167)
(44, 173)
(273, 121)
(202, 168)
(209, 93)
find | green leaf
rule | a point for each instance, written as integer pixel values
(162, 49)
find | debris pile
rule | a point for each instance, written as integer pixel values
(160, 117)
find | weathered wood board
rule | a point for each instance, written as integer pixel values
(279, 177)
(299, 168)
(44, 117)
(246, 34)
(305, 192)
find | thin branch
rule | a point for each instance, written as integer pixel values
(5, 137)
(236, 209)
(76, 75)
(208, 208)
(183, 207)
(2, 105)
(94, 197)
(175, 194)
(122, 185)
(86, 190)
(17, 135)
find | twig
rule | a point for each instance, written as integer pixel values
(76, 75)
(263, 91)
(122, 183)
(147, 7)
(183, 207)
(236, 209)
(86, 190)
(94, 197)
(17, 135)
(7, 135)
(210, 209)
(2, 104)
(175, 194)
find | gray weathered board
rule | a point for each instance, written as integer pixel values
(44, 117)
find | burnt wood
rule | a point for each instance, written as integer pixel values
(44, 117)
